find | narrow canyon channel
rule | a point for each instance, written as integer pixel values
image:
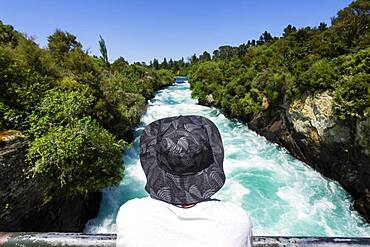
(283, 195)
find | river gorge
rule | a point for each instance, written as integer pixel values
(283, 195)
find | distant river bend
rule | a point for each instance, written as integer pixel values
(283, 195)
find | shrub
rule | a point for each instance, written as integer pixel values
(352, 92)
(321, 75)
(80, 158)
(352, 97)
(59, 108)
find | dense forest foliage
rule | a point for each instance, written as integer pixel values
(302, 61)
(177, 67)
(77, 110)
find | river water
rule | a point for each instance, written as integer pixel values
(282, 194)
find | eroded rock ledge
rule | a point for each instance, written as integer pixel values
(339, 150)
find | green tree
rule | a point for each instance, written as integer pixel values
(321, 75)
(103, 50)
(288, 30)
(155, 63)
(7, 35)
(164, 64)
(171, 64)
(60, 43)
(322, 27)
(25, 75)
(205, 56)
(353, 21)
(194, 58)
(119, 65)
(83, 67)
(265, 37)
(225, 52)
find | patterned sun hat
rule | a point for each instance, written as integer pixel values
(182, 158)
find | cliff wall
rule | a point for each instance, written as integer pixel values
(26, 205)
(339, 150)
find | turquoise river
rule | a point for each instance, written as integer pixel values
(283, 195)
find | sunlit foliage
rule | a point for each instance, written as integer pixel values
(74, 108)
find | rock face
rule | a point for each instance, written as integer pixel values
(339, 150)
(25, 205)
(208, 101)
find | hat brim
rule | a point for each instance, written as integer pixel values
(177, 189)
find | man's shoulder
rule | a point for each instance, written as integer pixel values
(229, 210)
(136, 203)
(230, 206)
(133, 210)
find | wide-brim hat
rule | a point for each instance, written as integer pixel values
(182, 158)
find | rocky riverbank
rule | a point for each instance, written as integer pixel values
(26, 205)
(339, 150)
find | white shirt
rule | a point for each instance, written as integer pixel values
(151, 223)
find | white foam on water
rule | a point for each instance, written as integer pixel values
(135, 172)
(283, 195)
(232, 191)
(296, 200)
